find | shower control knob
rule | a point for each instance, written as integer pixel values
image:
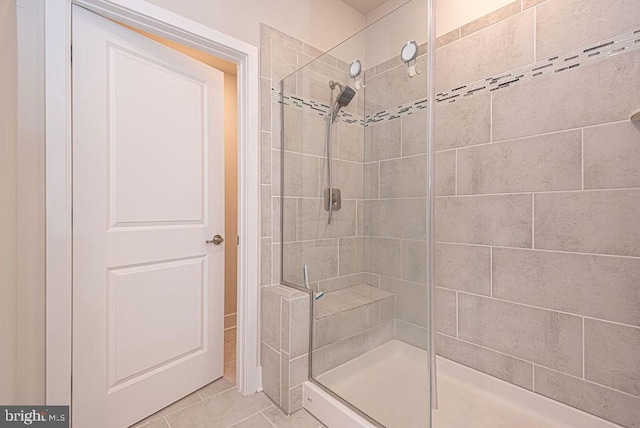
(217, 240)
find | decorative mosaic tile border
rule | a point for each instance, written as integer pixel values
(311, 106)
(566, 61)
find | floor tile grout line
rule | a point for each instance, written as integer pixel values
(245, 419)
(201, 400)
(267, 418)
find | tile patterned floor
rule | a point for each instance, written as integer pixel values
(220, 405)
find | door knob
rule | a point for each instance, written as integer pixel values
(217, 240)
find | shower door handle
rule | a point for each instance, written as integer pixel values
(217, 240)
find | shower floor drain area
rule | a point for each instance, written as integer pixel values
(335, 302)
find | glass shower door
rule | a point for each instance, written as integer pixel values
(354, 210)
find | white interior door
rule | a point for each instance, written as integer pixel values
(148, 190)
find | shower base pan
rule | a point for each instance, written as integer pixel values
(390, 384)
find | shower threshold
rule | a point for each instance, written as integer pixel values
(390, 384)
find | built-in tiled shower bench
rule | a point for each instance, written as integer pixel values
(350, 322)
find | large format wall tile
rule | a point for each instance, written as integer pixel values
(379, 335)
(303, 176)
(383, 256)
(312, 220)
(371, 180)
(604, 402)
(270, 360)
(492, 51)
(446, 316)
(351, 256)
(463, 267)
(603, 222)
(341, 325)
(321, 256)
(284, 61)
(351, 145)
(544, 337)
(612, 355)
(611, 156)
(288, 216)
(382, 140)
(305, 132)
(348, 177)
(332, 356)
(562, 25)
(594, 93)
(491, 18)
(502, 366)
(411, 300)
(414, 261)
(412, 334)
(596, 286)
(270, 320)
(298, 325)
(404, 177)
(445, 173)
(396, 218)
(414, 133)
(546, 162)
(492, 220)
(465, 122)
(394, 87)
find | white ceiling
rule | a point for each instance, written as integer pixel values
(364, 6)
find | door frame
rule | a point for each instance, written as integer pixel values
(59, 180)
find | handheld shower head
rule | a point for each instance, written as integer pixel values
(342, 100)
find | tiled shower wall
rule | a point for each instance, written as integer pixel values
(537, 185)
(537, 232)
(333, 254)
(395, 192)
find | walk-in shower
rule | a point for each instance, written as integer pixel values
(488, 195)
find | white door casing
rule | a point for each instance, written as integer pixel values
(148, 174)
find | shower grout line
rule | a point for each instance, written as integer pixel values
(582, 155)
(533, 376)
(456, 173)
(457, 315)
(528, 305)
(583, 350)
(524, 137)
(536, 249)
(527, 192)
(537, 365)
(588, 381)
(491, 270)
(533, 221)
(491, 117)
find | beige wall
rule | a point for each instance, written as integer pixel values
(385, 38)
(321, 23)
(8, 200)
(231, 198)
(30, 387)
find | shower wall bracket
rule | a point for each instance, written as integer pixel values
(336, 199)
